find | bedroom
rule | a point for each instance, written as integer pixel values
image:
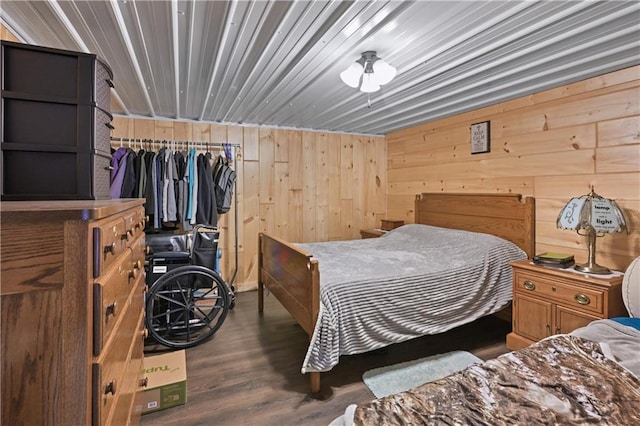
(552, 145)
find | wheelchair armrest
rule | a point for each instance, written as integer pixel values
(171, 255)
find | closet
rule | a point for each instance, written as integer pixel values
(178, 181)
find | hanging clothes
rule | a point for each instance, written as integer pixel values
(207, 212)
(157, 188)
(118, 169)
(193, 187)
(129, 180)
(182, 185)
(178, 187)
(141, 173)
(149, 190)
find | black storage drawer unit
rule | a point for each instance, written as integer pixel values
(55, 125)
(56, 74)
(47, 175)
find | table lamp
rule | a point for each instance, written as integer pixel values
(592, 216)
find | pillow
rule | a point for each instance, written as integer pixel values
(631, 288)
(629, 322)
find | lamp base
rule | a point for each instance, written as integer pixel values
(593, 268)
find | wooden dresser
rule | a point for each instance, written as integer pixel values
(72, 300)
(549, 301)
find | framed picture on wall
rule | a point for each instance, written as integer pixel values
(480, 137)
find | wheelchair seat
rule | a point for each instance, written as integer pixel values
(163, 242)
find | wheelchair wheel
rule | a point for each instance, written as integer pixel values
(186, 306)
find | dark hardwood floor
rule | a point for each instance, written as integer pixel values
(249, 373)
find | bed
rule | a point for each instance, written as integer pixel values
(590, 376)
(503, 224)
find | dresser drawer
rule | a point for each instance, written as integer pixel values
(138, 248)
(109, 241)
(111, 294)
(557, 289)
(108, 372)
(132, 384)
(134, 224)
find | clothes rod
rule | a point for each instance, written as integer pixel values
(165, 141)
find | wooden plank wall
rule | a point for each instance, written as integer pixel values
(552, 145)
(5, 34)
(299, 185)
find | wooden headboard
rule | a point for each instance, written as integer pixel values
(508, 216)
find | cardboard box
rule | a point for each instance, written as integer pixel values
(167, 381)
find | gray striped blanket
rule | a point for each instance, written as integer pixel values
(413, 281)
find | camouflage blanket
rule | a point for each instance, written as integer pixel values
(564, 380)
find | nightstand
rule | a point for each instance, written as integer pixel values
(389, 224)
(549, 301)
(386, 225)
(372, 233)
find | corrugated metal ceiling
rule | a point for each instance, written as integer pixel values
(277, 63)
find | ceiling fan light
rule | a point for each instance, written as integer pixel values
(368, 84)
(351, 76)
(384, 72)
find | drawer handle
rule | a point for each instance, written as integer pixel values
(582, 298)
(133, 273)
(111, 309)
(110, 388)
(108, 167)
(529, 285)
(144, 382)
(111, 248)
(137, 264)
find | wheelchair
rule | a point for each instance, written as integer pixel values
(187, 300)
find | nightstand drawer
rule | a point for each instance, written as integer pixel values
(561, 291)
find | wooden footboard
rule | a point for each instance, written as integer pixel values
(293, 277)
